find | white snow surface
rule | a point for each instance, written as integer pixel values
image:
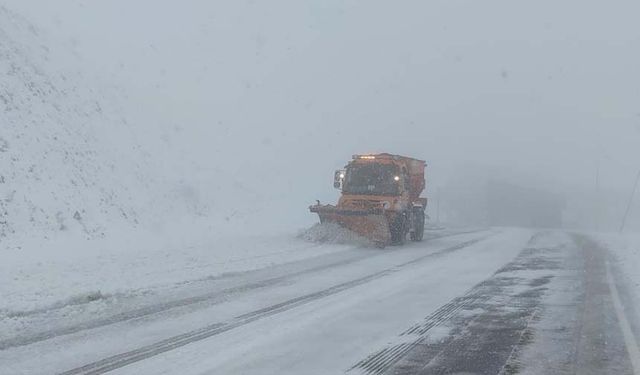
(325, 336)
(78, 272)
(330, 336)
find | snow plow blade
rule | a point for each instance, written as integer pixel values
(371, 224)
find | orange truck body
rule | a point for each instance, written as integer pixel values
(380, 198)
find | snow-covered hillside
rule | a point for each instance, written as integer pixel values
(57, 173)
(77, 161)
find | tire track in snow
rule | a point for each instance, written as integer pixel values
(591, 333)
(210, 298)
(381, 361)
(482, 296)
(124, 359)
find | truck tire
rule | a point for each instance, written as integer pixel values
(418, 221)
(398, 230)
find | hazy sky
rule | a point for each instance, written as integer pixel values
(538, 91)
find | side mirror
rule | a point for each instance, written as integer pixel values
(338, 178)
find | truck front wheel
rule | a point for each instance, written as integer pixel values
(418, 221)
(399, 230)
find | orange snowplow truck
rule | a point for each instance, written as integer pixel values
(380, 198)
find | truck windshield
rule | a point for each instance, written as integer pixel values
(375, 179)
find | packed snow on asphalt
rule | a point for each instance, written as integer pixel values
(483, 300)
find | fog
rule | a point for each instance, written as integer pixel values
(270, 97)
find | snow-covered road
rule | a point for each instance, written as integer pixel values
(488, 302)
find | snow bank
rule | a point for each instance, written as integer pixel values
(77, 273)
(625, 250)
